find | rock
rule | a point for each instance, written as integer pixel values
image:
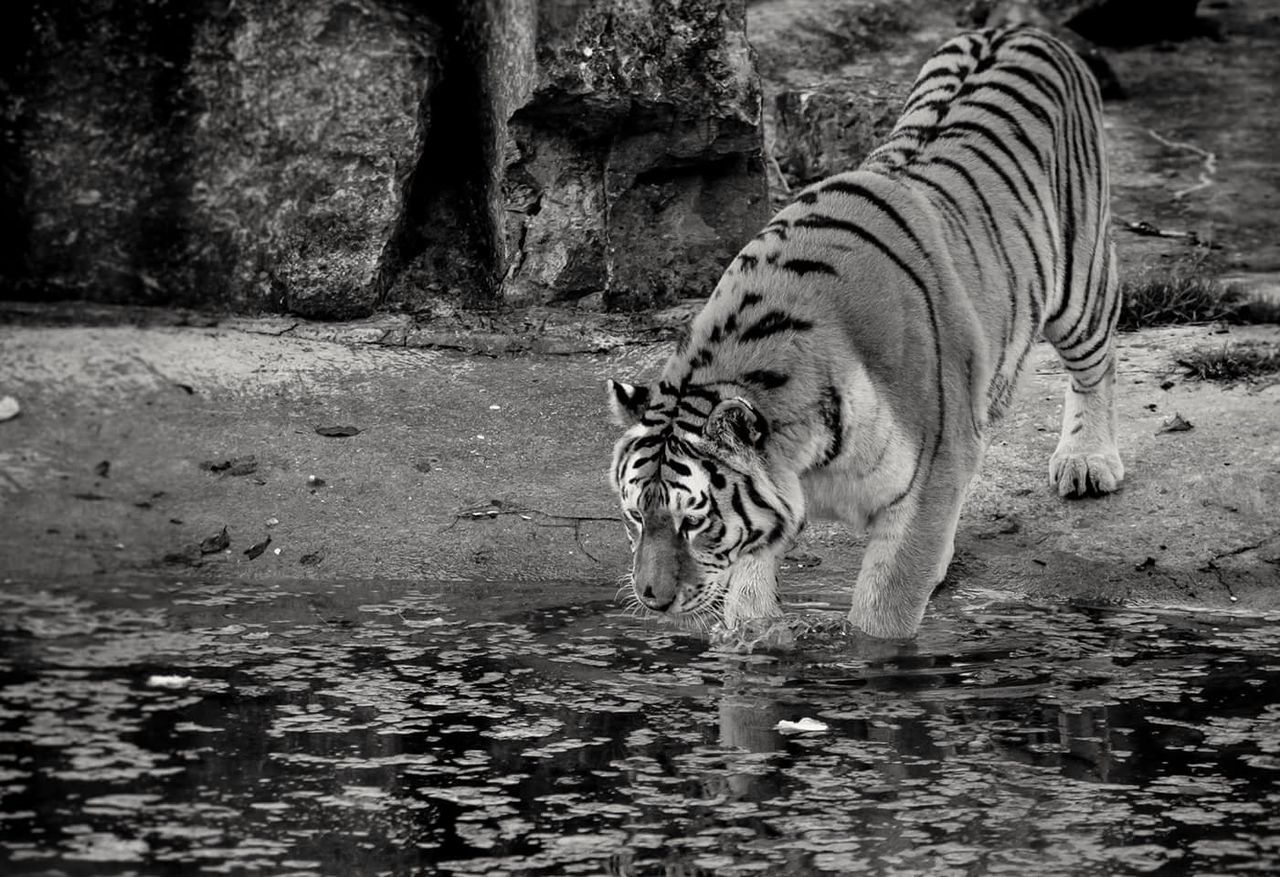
(1101, 22)
(93, 170)
(307, 133)
(830, 128)
(632, 164)
(623, 154)
(800, 42)
(244, 155)
(1135, 22)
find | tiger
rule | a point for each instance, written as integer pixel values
(852, 359)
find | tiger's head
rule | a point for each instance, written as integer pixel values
(698, 495)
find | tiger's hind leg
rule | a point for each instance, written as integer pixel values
(1087, 460)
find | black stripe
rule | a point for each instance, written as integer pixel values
(699, 391)
(831, 407)
(749, 299)
(741, 510)
(772, 323)
(687, 407)
(679, 468)
(939, 71)
(988, 215)
(714, 474)
(766, 378)
(820, 221)
(1015, 125)
(807, 266)
(1021, 99)
(1051, 89)
(850, 188)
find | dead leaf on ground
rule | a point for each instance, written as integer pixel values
(217, 542)
(311, 559)
(1176, 423)
(256, 549)
(235, 466)
(337, 431)
(103, 469)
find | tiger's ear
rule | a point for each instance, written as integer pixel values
(627, 402)
(736, 423)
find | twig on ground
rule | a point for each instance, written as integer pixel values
(496, 508)
(1209, 163)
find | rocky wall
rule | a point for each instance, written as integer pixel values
(336, 157)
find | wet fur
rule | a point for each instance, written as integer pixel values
(853, 357)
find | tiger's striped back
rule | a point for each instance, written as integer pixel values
(1002, 131)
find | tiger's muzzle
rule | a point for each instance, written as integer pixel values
(663, 570)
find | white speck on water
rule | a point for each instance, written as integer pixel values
(805, 724)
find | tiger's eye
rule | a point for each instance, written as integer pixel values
(690, 523)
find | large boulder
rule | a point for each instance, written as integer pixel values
(1135, 22)
(307, 127)
(632, 157)
(245, 155)
(1096, 22)
(94, 159)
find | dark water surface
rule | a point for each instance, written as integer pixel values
(262, 729)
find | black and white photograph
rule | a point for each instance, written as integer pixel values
(688, 438)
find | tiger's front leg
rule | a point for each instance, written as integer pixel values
(752, 588)
(910, 547)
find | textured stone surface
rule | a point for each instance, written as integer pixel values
(94, 164)
(830, 128)
(247, 155)
(632, 152)
(332, 158)
(310, 127)
(802, 42)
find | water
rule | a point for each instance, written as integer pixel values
(234, 730)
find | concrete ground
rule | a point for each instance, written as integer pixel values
(135, 447)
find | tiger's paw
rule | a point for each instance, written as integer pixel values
(1085, 473)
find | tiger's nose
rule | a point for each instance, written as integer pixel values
(653, 602)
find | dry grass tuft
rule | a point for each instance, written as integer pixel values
(1233, 362)
(1180, 297)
